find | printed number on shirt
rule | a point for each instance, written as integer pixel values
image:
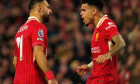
(19, 41)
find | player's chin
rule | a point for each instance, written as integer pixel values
(86, 23)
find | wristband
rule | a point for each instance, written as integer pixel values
(49, 75)
(90, 65)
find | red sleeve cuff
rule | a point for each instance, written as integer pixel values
(112, 36)
(37, 43)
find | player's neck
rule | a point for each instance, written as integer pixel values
(97, 18)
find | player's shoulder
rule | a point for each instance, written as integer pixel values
(22, 28)
(36, 24)
(108, 23)
(37, 27)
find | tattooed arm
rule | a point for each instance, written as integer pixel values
(119, 45)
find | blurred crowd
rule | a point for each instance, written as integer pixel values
(69, 39)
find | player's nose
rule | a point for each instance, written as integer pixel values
(81, 13)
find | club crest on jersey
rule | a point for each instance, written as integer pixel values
(97, 35)
(40, 33)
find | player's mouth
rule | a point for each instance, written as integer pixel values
(83, 19)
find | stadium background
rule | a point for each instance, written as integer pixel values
(69, 38)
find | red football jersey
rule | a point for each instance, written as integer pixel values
(101, 43)
(30, 34)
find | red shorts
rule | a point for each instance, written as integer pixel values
(100, 80)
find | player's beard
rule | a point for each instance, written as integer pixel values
(46, 18)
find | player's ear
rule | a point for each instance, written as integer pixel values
(94, 11)
(39, 8)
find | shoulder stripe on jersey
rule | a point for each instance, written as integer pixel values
(101, 20)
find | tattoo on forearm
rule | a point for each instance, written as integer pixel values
(119, 44)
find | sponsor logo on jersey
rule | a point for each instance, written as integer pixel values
(95, 50)
(40, 33)
(40, 39)
(110, 25)
(97, 35)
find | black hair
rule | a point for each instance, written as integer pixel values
(98, 3)
(33, 2)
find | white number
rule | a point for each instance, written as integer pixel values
(19, 44)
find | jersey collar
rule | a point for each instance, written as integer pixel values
(101, 21)
(33, 18)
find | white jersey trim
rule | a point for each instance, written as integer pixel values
(33, 18)
(101, 21)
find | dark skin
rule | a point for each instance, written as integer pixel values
(119, 45)
(42, 61)
(41, 58)
(91, 14)
(41, 11)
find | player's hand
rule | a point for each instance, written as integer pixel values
(102, 58)
(82, 70)
(52, 81)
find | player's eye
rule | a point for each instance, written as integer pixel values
(83, 10)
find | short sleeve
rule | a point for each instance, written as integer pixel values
(39, 35)
(110, 31)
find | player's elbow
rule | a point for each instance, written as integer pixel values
(123, 44)
(14, 63)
